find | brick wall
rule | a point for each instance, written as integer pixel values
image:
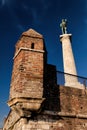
(73, 100)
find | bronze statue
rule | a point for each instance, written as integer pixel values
(63, 26)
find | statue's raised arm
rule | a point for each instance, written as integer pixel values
(63, 26)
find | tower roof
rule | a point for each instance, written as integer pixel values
(32, 33)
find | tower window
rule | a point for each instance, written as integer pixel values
(32, 46)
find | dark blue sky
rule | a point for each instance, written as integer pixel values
(44, 16)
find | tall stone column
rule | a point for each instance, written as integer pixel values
(68, 58)
(69, 63)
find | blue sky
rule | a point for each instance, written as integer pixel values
(44, 16)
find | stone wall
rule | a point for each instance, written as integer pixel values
(53, 122)
(11, 120)
(71, 114)
(66, 110)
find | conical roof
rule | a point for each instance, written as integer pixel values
(32, 33)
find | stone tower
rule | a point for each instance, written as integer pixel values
(26, 89)
(29, 60)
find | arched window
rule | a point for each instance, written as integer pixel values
(32, 46)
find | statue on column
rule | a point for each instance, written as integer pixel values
(63, 26)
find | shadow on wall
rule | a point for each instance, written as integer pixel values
(51, 89)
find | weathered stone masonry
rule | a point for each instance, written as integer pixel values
(36, 101)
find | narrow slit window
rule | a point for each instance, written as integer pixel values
(32, 46)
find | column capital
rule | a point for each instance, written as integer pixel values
(65, 36)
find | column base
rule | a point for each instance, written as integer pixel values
(75, 85)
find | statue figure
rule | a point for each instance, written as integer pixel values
(63, 26)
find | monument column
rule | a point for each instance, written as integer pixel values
(68, 58)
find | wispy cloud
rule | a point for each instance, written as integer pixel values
(20, 27)
(25, 7)
(6, 2)
(38, 13)
(3, 2)
(24, 12)
(45, 4)
(35, 16)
